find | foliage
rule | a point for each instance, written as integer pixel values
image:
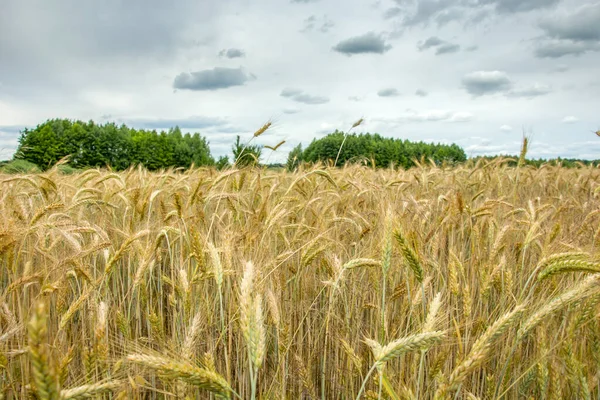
(18, 167)
(222, 163)
(295, 158)
(377, 150)
(512, 161)
(95, 145)
(245, 155)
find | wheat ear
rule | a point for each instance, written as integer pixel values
(44, 379)
(173, 369)
(89, 391)
(479, 352)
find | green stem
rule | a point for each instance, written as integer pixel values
(364, 384)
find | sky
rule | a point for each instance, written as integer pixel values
(478, 73)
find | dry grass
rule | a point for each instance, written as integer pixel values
(479, 281)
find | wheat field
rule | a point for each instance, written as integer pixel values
(473, 282)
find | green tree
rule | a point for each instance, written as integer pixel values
(295, 158)
(245, 155)
(222, 163)
(382, 152)
(93, 145)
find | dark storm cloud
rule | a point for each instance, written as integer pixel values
(367, 43)
(480, 83)
(388, 92)
(232, 53)
(301, 97)
(211, 79)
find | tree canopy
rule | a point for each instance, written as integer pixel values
(95, 145)
(382, 151)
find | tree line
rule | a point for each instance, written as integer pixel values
(89, 144)
(374, 149)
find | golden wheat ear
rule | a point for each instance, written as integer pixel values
(172, 369)
(45, 381)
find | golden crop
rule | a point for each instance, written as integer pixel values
(479, 281)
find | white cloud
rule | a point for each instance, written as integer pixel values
(64, 60)
(569, 119)
(506, 128)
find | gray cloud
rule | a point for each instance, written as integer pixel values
(388, 92)
(561, 68)
(322, 24)
(304, 1)
(447, 16)
(310, 99)
(574, 33)
(367, 43)
(534, 90)
(473, 11)
(432, 41)
(392, 12)
(41, 41)
(561, 48)
(193, 122)
(211, 79)
(426, 10)
(517, 6)
(480, 83)
(232, 53)
(421, 93)
(447, 48)
(582, 25)
(289, 92)
(302, 97)
(356, 98)
(441, 46)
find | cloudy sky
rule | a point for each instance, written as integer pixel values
(479, 73)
